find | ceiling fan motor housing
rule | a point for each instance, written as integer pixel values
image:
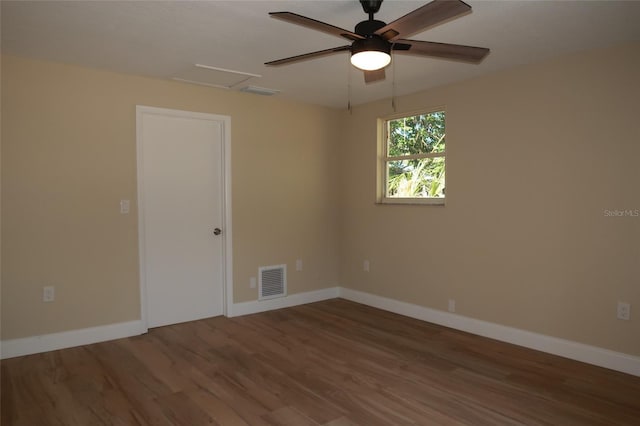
(371, 43)
(367, 28)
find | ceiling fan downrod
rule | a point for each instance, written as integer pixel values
(369, 27)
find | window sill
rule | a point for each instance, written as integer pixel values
(413, 201)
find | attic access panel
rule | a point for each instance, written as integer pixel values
(212, 76)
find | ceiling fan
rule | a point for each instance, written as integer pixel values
(373, 40)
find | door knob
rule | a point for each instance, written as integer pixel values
(217, 231)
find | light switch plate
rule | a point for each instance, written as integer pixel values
(48, 293)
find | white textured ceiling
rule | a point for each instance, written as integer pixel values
(163, 39)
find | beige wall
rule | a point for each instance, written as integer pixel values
(69, 156)
(534, 157)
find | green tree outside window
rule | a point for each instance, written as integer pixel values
(415, 156)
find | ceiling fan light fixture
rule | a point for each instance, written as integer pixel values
(370, 54)
(370, 60)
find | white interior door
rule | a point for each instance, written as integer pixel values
(181, 205)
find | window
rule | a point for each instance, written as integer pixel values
(412, 160)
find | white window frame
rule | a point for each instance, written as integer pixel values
(383, 159)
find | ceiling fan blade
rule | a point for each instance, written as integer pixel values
(310, 55)
(456, 52)
(424, 17)
(373, 76)
(294, 18)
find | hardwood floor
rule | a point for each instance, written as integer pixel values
(329, 363)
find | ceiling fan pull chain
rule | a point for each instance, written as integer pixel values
(349, 87)
(393, 80)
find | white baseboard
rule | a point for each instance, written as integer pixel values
(253, 307)
(68, 339)
(565, 348)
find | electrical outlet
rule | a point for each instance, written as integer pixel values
(125, 206)
(365, 266)
(624, 311)
(452, 305)
(299, 265)
(252, 282)
(48, 293)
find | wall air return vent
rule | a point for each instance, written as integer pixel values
(272, 282)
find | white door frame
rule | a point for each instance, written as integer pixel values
(227, 263)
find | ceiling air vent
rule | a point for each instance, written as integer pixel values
(259, 90)
(272, 282)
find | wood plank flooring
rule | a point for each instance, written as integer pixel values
(332, 363)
